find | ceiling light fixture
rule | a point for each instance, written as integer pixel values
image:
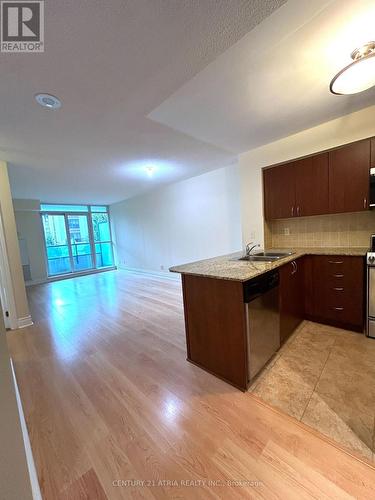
(358, 75)
(48, 101)
(150, 169)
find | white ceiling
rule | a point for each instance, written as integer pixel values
(111, 63)
(275, 80)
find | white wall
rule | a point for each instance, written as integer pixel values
(186, 221)
(29, 229)
(352, 127)
(13, 252)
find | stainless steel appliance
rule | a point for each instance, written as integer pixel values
(268, 256)
(261, 296)
(370, 327)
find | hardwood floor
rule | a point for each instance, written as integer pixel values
(115, 411)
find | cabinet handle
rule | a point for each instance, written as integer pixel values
(338, 308)
(294, 267)
(336, 262)
(339, 289)
(364, 202)
(293, 211)
(338, 275)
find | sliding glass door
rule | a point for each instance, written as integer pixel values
(79, 237)
(57, 245)
(77, 242)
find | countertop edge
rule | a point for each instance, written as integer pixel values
(297, 253)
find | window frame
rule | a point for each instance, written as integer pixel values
(92, 241)
(102, 241)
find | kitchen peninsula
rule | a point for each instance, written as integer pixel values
(320, 284)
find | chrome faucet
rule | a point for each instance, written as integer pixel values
(250, 247)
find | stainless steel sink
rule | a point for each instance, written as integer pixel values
(272, 254)
(266, 256)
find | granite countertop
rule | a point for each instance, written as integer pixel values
(227, 267)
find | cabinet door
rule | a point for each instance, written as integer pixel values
(216, 327)
(349, 177)
(268, 194)
(311, 177)
(291, 298)
(373, 152)
(279, 192)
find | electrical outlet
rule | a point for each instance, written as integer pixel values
(252, 235)
(162, 267)
(286, 231)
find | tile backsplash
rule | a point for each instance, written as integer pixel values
(338, 230)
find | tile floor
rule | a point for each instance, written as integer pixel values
(325, 377)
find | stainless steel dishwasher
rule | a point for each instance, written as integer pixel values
(261, 296)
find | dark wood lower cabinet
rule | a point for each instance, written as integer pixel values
(326, 289)
(215, 326)
(338, 292)
(291, 297)
(320, 288)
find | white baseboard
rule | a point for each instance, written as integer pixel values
(166, 275)
(24, 322)
(35, 489)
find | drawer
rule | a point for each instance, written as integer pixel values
(339, 265)
(340, 303)
(339, 272)
(338, 289)
(343, 312)
(337, 295)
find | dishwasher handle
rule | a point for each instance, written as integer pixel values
(261, 284)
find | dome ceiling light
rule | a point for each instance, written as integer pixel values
(358, 75)
(150, 169)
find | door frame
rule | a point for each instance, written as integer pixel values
(6, 291)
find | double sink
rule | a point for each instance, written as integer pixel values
(265, 256)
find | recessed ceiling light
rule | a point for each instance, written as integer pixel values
(357, 76)
(48, 101)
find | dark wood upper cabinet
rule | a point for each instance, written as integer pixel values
(336, 181)
(268, 194)
(311, 178)
(349, 177)
(279, 192)
(297, 189)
